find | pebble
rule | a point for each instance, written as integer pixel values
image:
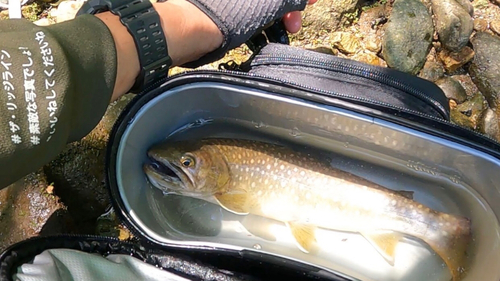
(480, 25)
(489, 124)
(452, 89)
(346, 42)
(369, 58)
(66, 10)
(408, 36)
(466, 82)
(467, 5)
(454, 60)
(43, 22)
(432, 71)
(324, 50)
(495, 26)
(373, 43)
(454, 24)
(485, 67)
(469, 113)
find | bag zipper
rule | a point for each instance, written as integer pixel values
(236, 70)
(343, 67)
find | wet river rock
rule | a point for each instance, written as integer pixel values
(454, 24)
(408, 36)
(485, 67)
(452, 89)
(470, 113)
(489, 124)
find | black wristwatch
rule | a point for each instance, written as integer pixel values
(143, 23)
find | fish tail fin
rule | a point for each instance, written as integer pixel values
(451, 242)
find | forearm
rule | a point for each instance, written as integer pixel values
(91, 63)
(189, 35)
(53, 89)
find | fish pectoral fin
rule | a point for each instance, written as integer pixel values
(236, 201)
(385, 243)
(405, 193)
(304, 235)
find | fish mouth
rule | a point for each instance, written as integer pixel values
(165, 176)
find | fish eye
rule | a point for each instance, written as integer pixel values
(187, 161)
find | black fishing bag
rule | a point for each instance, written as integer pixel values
(386, 126)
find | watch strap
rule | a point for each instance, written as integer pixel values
(144, 24)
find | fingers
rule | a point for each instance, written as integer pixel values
(293, 20)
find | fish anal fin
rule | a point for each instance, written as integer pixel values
(405, 193)
(259, 226)
(304, 235)
(237, 201)
(385, 242)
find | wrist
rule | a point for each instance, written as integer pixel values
(190, 33)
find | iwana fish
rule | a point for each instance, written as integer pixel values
(248, 177)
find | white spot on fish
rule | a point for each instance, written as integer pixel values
(268, 167)
(295, 170)
(282, 167)
(253, 184)
(296, 198)
(266, 181)
(247, 169)
(240, 178)
(302, 173)
(283, 183)
(289, 172)
(275, 164)
(251, 161)
(414, 212)
(393, 202)
(259, 193)
(444, 233)
(271, 186)
(308, 195)
(258, 169)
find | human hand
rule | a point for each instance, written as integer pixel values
(239, 20)
(293, 20)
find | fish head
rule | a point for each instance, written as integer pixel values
(187, 168)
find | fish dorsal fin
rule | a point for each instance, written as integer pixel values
(385, 243)
(236, 201)
(304, 235)
(405, 193)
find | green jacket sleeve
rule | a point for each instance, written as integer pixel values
(55, 85)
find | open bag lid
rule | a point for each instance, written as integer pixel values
(384, 126)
